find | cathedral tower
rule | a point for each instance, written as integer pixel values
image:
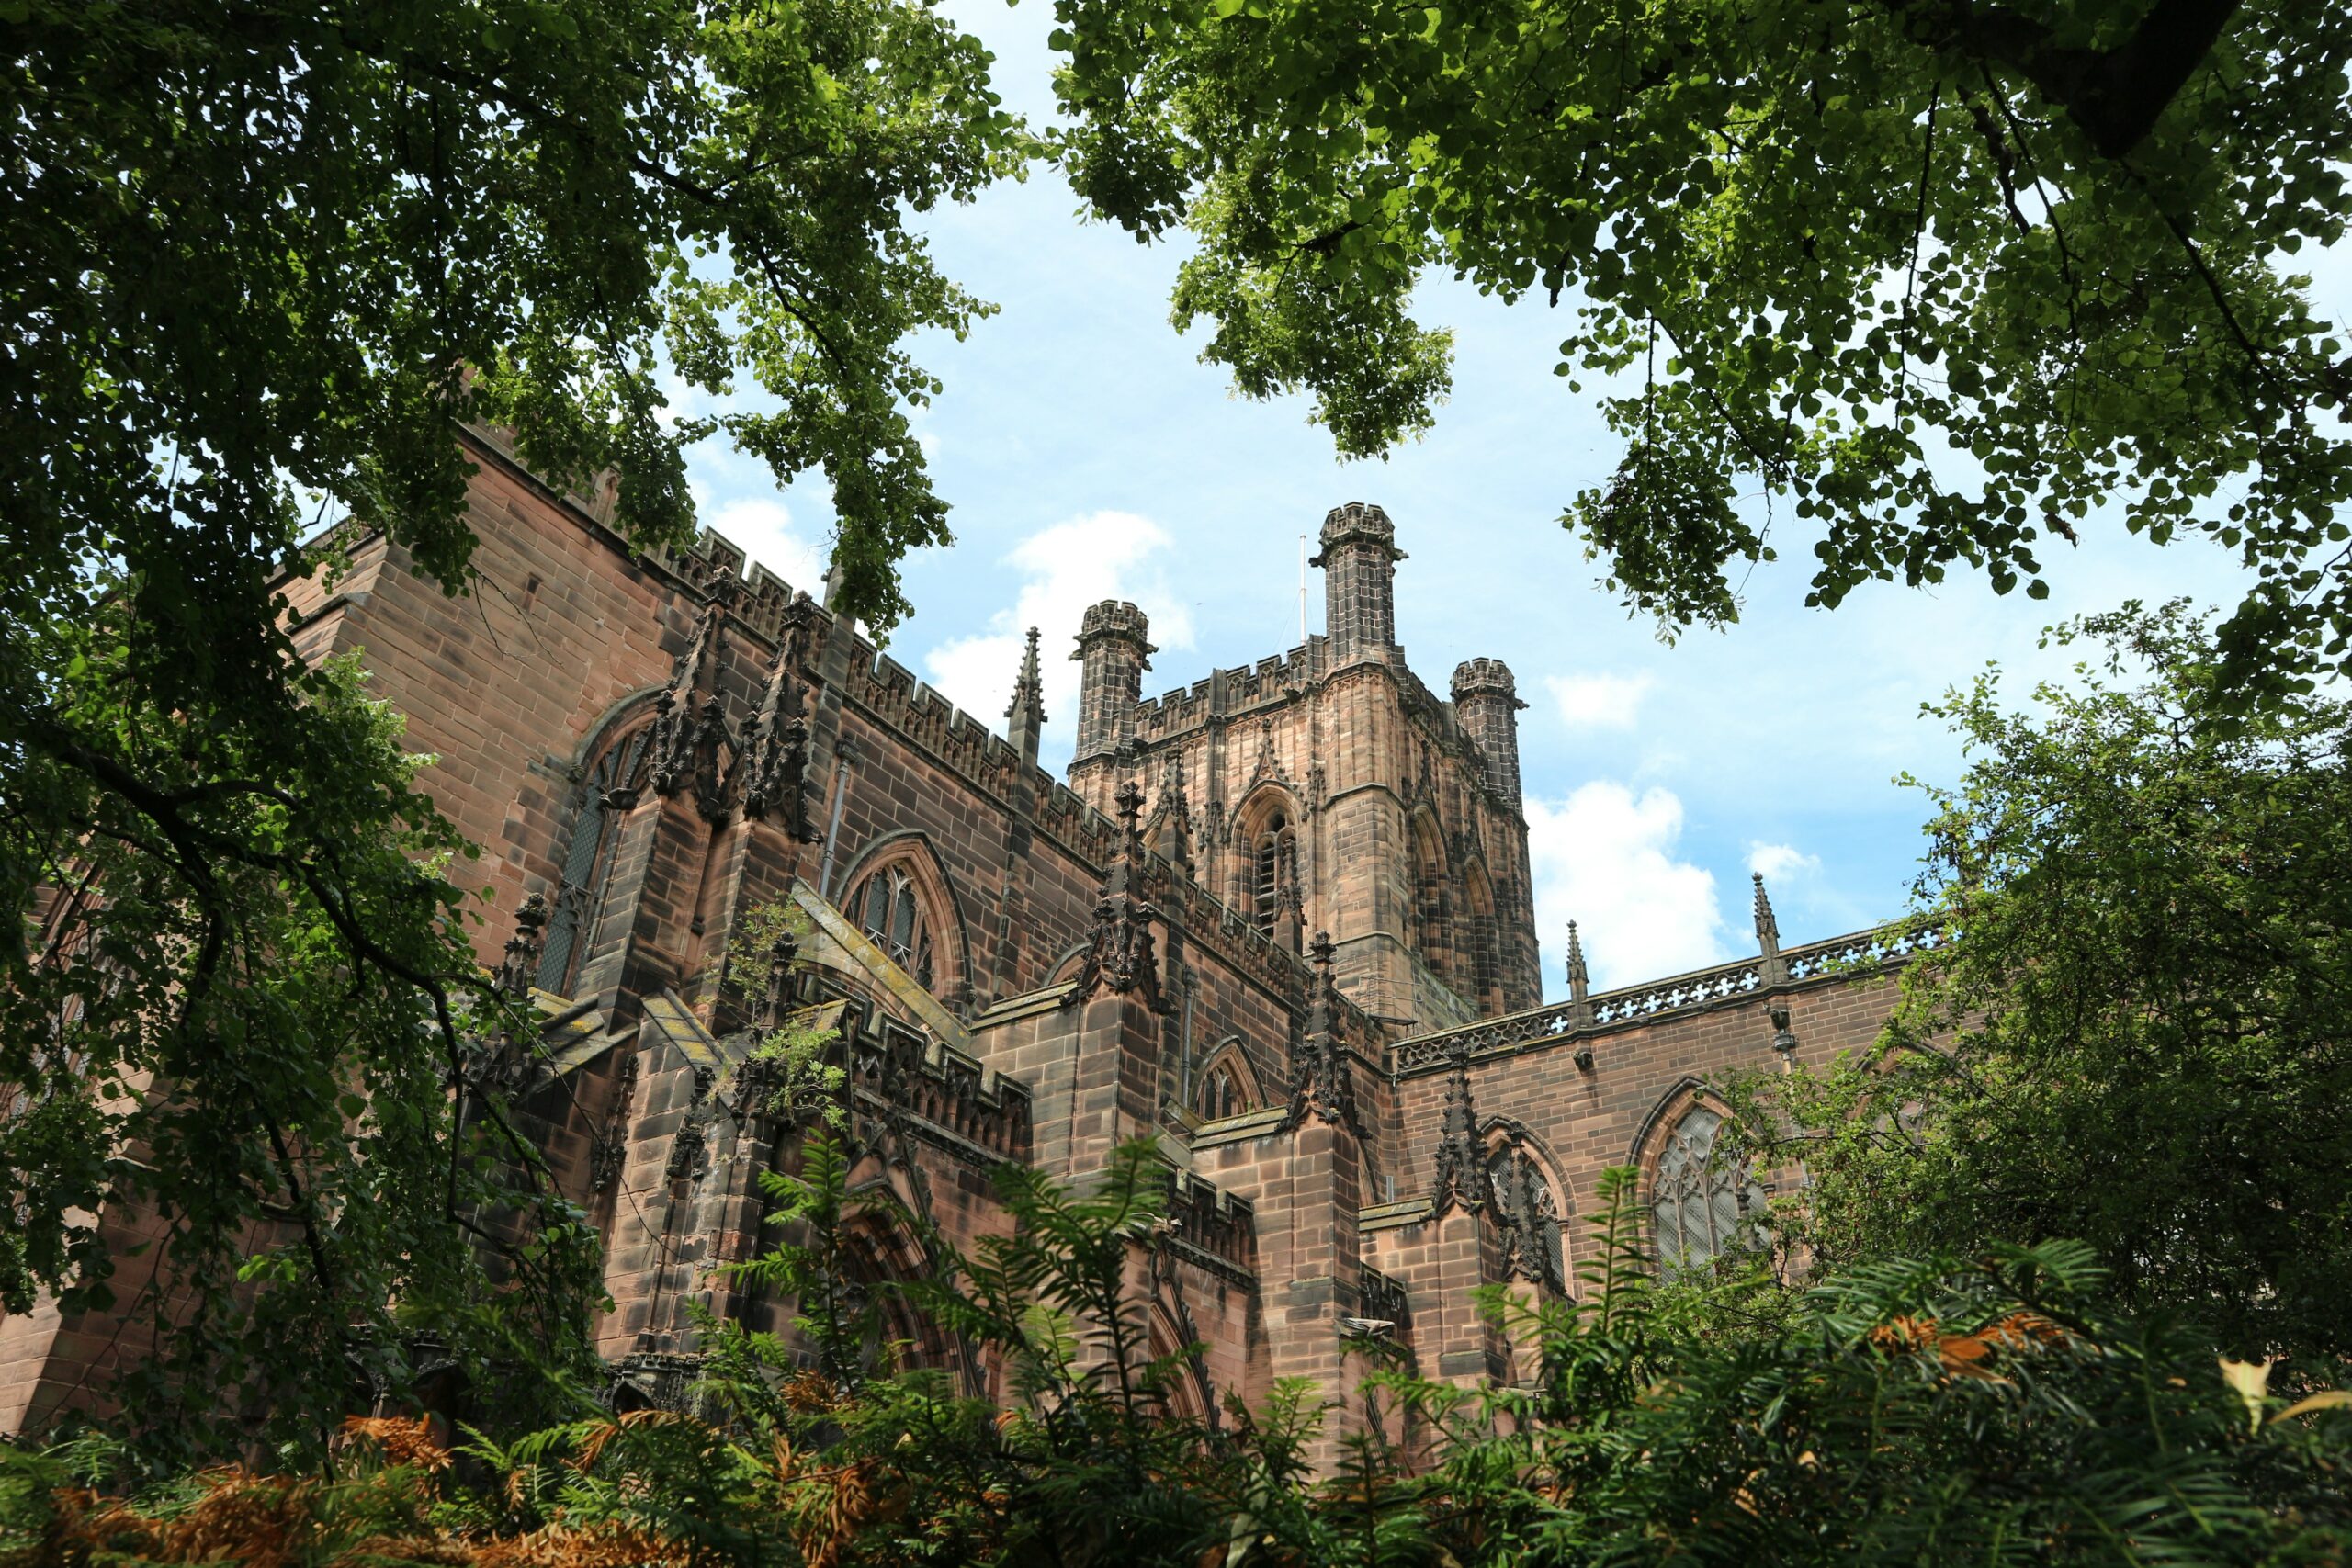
(1331, 790)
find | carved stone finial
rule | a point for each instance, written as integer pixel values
(1025, 715)
(1290, 901)
(1120, 956)
(773, 763)
(1579, 982)
(1171, 829)
(1325, 1087)
(521, 967)
(1460, 1179)
(1773, 970)
(675, 732)
(1527, 1214)
(1029, 687)
(665, 745)
(712, 796)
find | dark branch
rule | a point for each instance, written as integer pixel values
(2114, 95)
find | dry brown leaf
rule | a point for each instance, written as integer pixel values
(403, 1443)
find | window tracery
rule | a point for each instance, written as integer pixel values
(1523, 1198)
(1219, 1096)
(614, 780)
(1275, 870)
(1700, 1198)
(890, 914)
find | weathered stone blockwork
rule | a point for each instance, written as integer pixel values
(1357, 1131)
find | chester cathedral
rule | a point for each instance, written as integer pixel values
(1278, 920)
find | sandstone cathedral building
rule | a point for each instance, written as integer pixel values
(1279, 920)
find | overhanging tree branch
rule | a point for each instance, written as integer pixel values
(2115, 96)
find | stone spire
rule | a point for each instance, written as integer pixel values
(1026, 718)
(1773, 970)
(1461, 1174)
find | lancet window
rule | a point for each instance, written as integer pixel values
(1275, 868)
(889, 912)
(613, 781)
(1219, 1096)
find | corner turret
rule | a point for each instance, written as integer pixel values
(1113, 652)
(1359, 562)
(1487, 700)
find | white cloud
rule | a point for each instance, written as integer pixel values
(1776, 861)
(1604, 858)
(1065, 568)
(1598, 702)
(761, 526)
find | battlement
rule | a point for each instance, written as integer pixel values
(954, 1100)
(1474, 677)
(1215, 1227)
(1356, 522)
(1116, 618)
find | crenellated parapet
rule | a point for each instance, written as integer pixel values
(1218, 1227)
(951, 1098)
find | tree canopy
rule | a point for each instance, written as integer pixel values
(1949, 274)
(2138, 1038)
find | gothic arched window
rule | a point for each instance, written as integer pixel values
(612, 786)
(1429, 907)
(1485, 957)
(1275, 868)
(1522, 1196)
(886, 910)
(1700, 1198)
(1219, 1096)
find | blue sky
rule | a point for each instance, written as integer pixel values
(1087, 454)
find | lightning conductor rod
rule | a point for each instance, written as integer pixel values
(1302, 591)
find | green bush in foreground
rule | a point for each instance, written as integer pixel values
(1987, 1409)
